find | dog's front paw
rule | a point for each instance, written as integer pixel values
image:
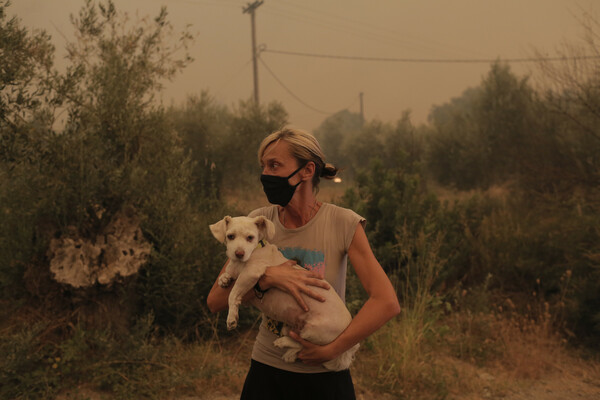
(231, 324)
(232, 320)
(224, 280)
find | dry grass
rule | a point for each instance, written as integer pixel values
(464, 356)
(419, 355)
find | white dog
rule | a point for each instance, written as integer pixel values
(247, 263)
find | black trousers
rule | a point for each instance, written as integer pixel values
(264, 382)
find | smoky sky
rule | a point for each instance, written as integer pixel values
(316, 56)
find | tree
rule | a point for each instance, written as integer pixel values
(455, 153)
(116, 144)
(572, 98)
(249, 125)
(25, 120)
(203, 126)
(477, 139)
(505, 117)
(404, 146)
(25, 62)
(335, 132)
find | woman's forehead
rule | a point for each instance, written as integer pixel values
(279, 149)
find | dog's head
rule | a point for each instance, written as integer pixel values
(242, 234)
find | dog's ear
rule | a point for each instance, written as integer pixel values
(265, 226)
(218, 229)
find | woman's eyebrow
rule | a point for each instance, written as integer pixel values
(269, 159)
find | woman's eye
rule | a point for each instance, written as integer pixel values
(231, 236)
(250, 238)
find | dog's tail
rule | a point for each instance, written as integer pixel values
(343, 361)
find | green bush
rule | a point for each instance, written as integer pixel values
(505, 243)
(136, 365)
(394, 203)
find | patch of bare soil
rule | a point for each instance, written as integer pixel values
(577, 380)
(557, 387)
(573, 382)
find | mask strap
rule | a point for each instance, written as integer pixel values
(296, 171)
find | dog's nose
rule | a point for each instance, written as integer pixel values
(239, 253)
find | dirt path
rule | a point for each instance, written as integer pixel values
(567, 386)
(558, 387)
(580, 384)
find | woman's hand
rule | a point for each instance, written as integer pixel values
(313, 354)
(295, 281)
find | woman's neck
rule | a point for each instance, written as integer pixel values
(299, 211)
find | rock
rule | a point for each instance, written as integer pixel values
(116, 252)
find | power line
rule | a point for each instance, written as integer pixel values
(220, 3)
(431, 60)
(290, 92)
(356, 30)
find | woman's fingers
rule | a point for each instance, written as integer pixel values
(298, 282)
(312, 293)
(318, 282)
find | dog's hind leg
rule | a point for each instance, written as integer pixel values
(343, 361)
(286, 342)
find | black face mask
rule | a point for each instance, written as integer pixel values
(278, 189)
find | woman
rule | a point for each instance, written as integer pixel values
(320, 237)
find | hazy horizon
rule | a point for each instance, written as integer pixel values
(311, 88)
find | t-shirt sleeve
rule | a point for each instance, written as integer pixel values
(349, 221)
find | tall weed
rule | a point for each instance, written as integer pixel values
(399, 354)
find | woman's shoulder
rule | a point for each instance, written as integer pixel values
(340, 213)
(345, 222)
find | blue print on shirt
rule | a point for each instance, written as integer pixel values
(310, 259)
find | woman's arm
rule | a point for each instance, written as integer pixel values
(292, 280)
(381, 306)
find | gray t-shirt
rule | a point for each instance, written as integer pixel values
(321, 246)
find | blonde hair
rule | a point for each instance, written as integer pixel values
(304, 148)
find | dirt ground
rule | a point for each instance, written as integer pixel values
(556, 387)
(572, 385)
(582, 383)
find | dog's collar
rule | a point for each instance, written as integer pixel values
(261, 243)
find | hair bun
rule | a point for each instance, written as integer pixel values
(329, 171)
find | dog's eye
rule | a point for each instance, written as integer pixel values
(250, 238)
(231, 236)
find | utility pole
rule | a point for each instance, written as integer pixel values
(249, 9)
(362, 110)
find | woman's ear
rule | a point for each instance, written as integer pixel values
(309, 170)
